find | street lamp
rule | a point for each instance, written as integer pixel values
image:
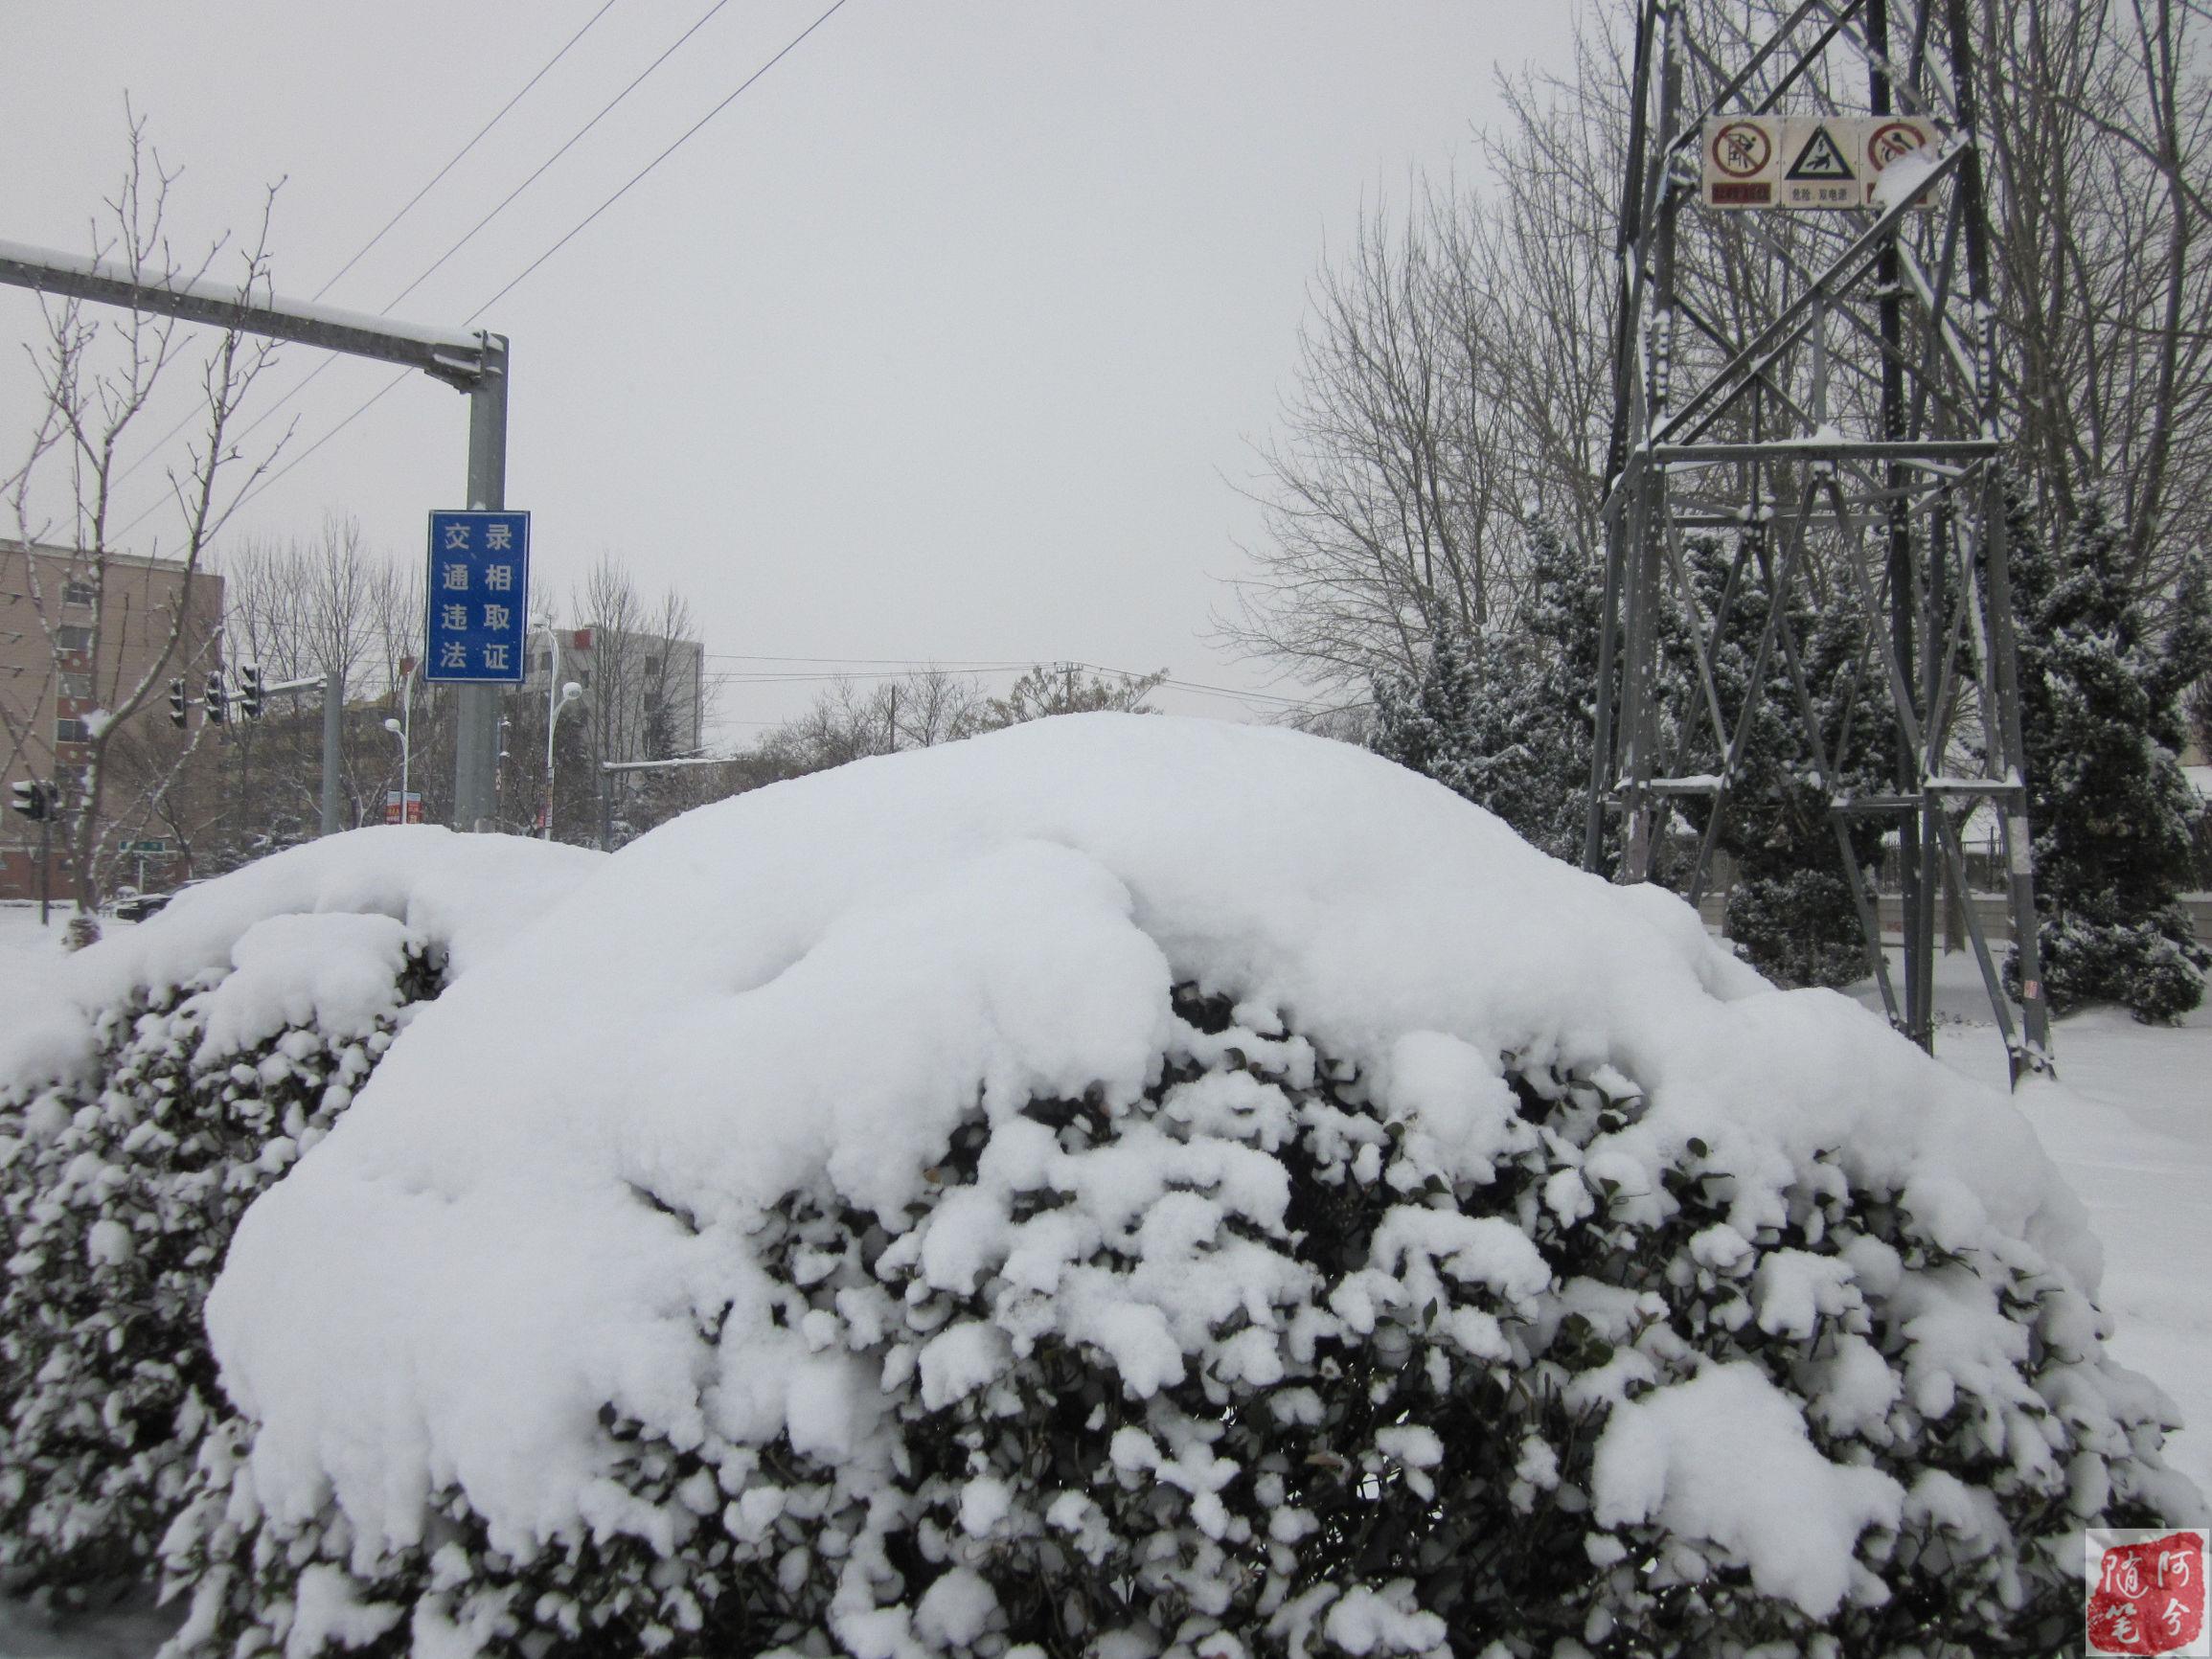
(555, 706)
(557, 697)
(406, 727)
(405, 754)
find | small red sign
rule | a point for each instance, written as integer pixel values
(1742, 149)
(1893, 142)
(2146, 1593)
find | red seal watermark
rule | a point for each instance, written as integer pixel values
(2146, 1592)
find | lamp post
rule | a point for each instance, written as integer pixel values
(557, 697)
(406, 748)
(404, 731)
(556, 705)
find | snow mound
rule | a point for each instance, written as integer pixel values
(466, 891)
(836, 1105)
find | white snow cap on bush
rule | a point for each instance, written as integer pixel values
(545, 1195)
(314, 933)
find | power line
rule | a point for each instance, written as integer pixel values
(378, 397)
(635, 178)
(307, 379)
(545, 69)
(573, 140)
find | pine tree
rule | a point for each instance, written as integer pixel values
(1507, 718)
(2102, 722)
(1558, 626)
(1791, 912)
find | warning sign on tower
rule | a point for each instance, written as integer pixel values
(1818, 163)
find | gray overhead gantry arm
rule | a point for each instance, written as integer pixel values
(473, 361)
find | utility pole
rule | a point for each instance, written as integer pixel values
(476, 740)
(473, 361)
(331, 683)
(333, 725)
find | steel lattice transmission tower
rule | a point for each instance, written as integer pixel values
(1811, 400)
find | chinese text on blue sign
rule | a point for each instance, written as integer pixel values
(479, 596)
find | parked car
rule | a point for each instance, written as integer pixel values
(137, 906)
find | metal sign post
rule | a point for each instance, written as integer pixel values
(476, 740)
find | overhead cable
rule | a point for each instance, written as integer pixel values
(376, 396)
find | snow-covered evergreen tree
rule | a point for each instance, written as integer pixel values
(2102, 718)
(1507, 718)
(1791, 912)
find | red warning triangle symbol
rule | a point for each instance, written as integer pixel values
(1820, 159)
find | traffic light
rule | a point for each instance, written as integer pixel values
(216, 709)
(250, 690)
(33, 799)
(177, 704)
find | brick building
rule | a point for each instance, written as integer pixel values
(77, 631)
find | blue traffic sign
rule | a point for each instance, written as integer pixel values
(479, 597)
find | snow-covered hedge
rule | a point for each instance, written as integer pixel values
(1138, 1187)
(154, 1085)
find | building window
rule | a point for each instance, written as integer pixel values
(79, 686)
(72, 731)
(652, 665)
(73, 637)
(79, 593)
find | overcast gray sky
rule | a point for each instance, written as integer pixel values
(947, 340)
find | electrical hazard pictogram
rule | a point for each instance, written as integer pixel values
(1821, 160)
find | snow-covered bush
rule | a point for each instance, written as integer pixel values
(1142, 1187)
(119, 1200)
(174, 1073)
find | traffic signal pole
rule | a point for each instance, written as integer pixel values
(474, 361)
(39, 801)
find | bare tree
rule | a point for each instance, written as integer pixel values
(1069, 688)
(1451, 394)
(2101, 137)
(300, 608)
(648, 695)
(852, 719)
(98, 369)
(1454, 371)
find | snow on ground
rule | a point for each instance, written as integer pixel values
(2129, 1123)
